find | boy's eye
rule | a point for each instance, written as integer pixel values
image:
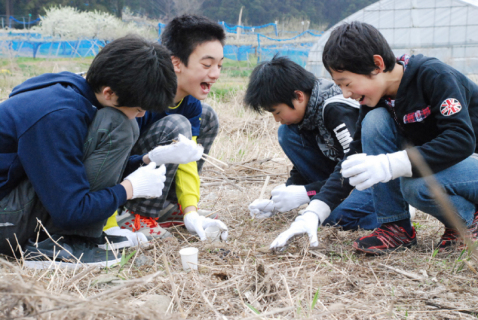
(347, 84)
(207, 65)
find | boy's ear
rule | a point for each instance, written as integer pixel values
(107, 93)
(176, 64)
(378, 61)
(300, 96)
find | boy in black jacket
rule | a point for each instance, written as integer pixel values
(413, 104)
(317, 128)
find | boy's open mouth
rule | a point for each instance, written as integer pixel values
(206, 87)
(360, 99)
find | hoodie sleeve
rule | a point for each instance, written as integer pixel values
(51, 154)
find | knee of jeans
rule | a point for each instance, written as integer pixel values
(178, 123)
(414, 190)
(285, 134)
(376, 123)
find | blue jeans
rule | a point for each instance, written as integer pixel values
(380, 135)
(355, 211)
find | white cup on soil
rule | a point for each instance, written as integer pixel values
(189, 258)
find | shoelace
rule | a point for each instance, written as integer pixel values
(449, 234)
(390, 234)
(150, 222)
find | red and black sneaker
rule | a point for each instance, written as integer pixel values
(173, 215)
(451, 240)
(388, 238)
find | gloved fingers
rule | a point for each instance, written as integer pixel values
(313, 239)
(254, 212)
(354, 160)
(279, 189)
(150, 166)
(162, 171)
(199, 151)
(354, 170)
(200, 232)
(262, 205)
(263, 215)
(208, 222)
(366, 184)
(283, 238)
(359, 179)
(140, 238)
(224, 235)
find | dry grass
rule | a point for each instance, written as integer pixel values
(240, 276)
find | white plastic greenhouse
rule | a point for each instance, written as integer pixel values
(445, 29)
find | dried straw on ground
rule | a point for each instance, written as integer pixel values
(242, 278)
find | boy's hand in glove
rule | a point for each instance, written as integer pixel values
(365, 171)
(262, 208)
(183, 151)
(147, 181)
(196, 224)
(308, 222)
(288, 198)
(134, 238)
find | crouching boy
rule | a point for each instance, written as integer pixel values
(64, 144)
(317, 128)
(409, 105)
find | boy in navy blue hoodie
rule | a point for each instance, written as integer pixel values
(411, 104)
(64, 144)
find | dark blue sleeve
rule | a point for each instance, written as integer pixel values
(51, 153)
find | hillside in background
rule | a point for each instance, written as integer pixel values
(256, 12)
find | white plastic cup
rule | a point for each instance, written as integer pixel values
(189, 258)
(213, 233)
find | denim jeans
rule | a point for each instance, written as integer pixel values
(380, 135)
(302, 149)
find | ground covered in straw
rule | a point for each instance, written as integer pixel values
(242, 278)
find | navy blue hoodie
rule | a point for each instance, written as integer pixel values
(43, 126)
(442, 135)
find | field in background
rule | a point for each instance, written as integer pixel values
(241, 278)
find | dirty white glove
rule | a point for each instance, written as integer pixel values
(288, 198)
(147, 181)
(365, 171)
(308, 222)
(196, 225)
(134, 238)
(183, 151)
(262, 208)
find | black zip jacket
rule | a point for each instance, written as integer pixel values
(436, 109)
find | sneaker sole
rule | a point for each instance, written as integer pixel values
(384, 251)
(45, 264)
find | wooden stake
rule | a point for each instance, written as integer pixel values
(264, 186)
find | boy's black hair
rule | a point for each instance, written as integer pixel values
(184, 33)
(351, 47)
(274, 82)
(139, 71)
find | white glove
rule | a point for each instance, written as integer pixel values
(147, 181)
(262, 208)
(196, 225)
(134, 238)
(308, 222)
(365, 171)
(183, 151)
(290, 197)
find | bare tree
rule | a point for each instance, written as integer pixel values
(187, 6)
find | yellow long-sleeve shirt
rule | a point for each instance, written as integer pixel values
(187, 183)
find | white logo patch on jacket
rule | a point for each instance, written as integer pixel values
(344, 137)
(450, 107)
